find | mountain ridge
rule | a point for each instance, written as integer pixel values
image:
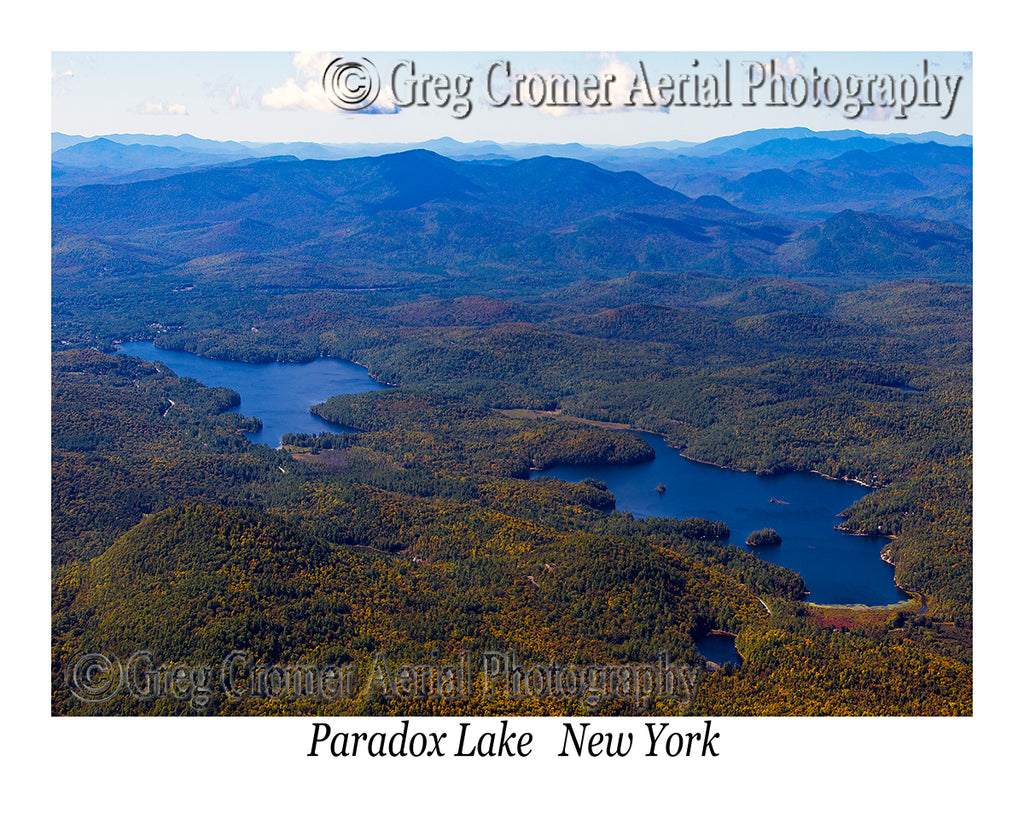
(418, 207)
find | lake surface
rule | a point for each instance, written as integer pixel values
(719, 648)
(280, 395)
(837, 568)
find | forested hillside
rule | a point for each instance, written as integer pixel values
(410, 538)
(516, 305)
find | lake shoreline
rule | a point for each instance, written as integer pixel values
(829, 579)
(278, 393)
(528, 413)
(119, 343)
(511, 412)
(719, 633)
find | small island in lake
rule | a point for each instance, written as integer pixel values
(764, 537)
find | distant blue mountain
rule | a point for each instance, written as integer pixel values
(453, 148)
(106, 153)
(792, 172)
(813, 147)
(184, 142)
(913, 180)
(547, 216)
(750, 139)
(106, 160)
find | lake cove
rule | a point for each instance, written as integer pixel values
(278, 394)
(802, 507)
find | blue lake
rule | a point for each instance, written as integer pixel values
(837, 568)
(280, 395)
(719, 648)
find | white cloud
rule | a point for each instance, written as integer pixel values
(624, 73)
(304, 91)
(293, 97)
(311, 64)
(159, 107)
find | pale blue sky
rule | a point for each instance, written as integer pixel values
(277, 96)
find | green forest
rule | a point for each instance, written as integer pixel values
(418, 535)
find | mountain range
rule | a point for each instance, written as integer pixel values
(794, 173)
(418, 210)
